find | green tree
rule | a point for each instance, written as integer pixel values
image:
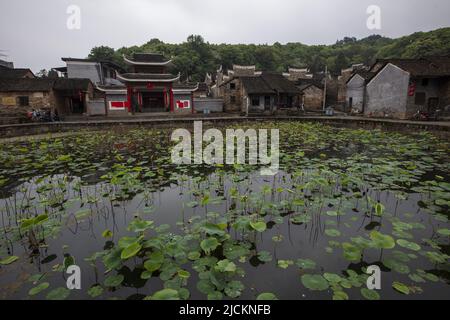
(43, 73)
(195, 57)
(102, 53)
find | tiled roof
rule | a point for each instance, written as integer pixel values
(71, 84)
(422, 67)
(143, 76)
(256, 85)
(6, 73)
(305, 83)
(185, 86)
(103, 61)
(366, 75)
(42, 85)
(148, 57)
(22, 85)
(269, 83)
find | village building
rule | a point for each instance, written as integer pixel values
(399, 88)
(100, 72)
(64, 96)
(312, 94)
(151, 88)
(259, 93)
(206, 97)
(108, 91)
(145, 86)
(295, 74)
(222, 76)
(6, 64)
(203, 90)
(356, 89)
(342, 80)
(7, 71)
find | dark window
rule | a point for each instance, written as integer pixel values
(24, 101)
(350, 102)
(425, 82)
(255, 102)
(420, 98)
(233, 99)
(267, 101)
(290, 101)
(232, 86)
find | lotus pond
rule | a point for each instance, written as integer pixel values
(139, 227)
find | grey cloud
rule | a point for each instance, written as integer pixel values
(34, 34)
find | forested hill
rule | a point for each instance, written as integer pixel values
(195, 57)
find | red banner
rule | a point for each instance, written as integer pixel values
(119, 105)
(183, 104)
(412, 89)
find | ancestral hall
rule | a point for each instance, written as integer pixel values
(151, 88)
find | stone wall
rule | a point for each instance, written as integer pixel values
(7, 131)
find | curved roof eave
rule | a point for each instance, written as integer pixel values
(185, 90)
(119, 76)
(128, 61)
(111, 90)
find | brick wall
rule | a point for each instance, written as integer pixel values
(36, 100)
(229, 93)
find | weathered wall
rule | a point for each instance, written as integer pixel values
(355, 92)
(313, 98)
(62, 105)
(109, 97)
(342, 85)
(261, 106)
(444, 93)
(181, 97)
(387, 93)
(431, 90)
(228, 93)
(96, 107)
(213, 105)
(371, 124)
(84, 70)
(37, 100)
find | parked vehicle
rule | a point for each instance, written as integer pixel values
(426, 116)
(40, 115)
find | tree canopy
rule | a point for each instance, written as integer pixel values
(195, 57)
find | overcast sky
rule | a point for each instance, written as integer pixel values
(35, 34)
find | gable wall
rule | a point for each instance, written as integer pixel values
(355, 90)
(387, 93)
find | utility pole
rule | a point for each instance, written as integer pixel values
(325, 88)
